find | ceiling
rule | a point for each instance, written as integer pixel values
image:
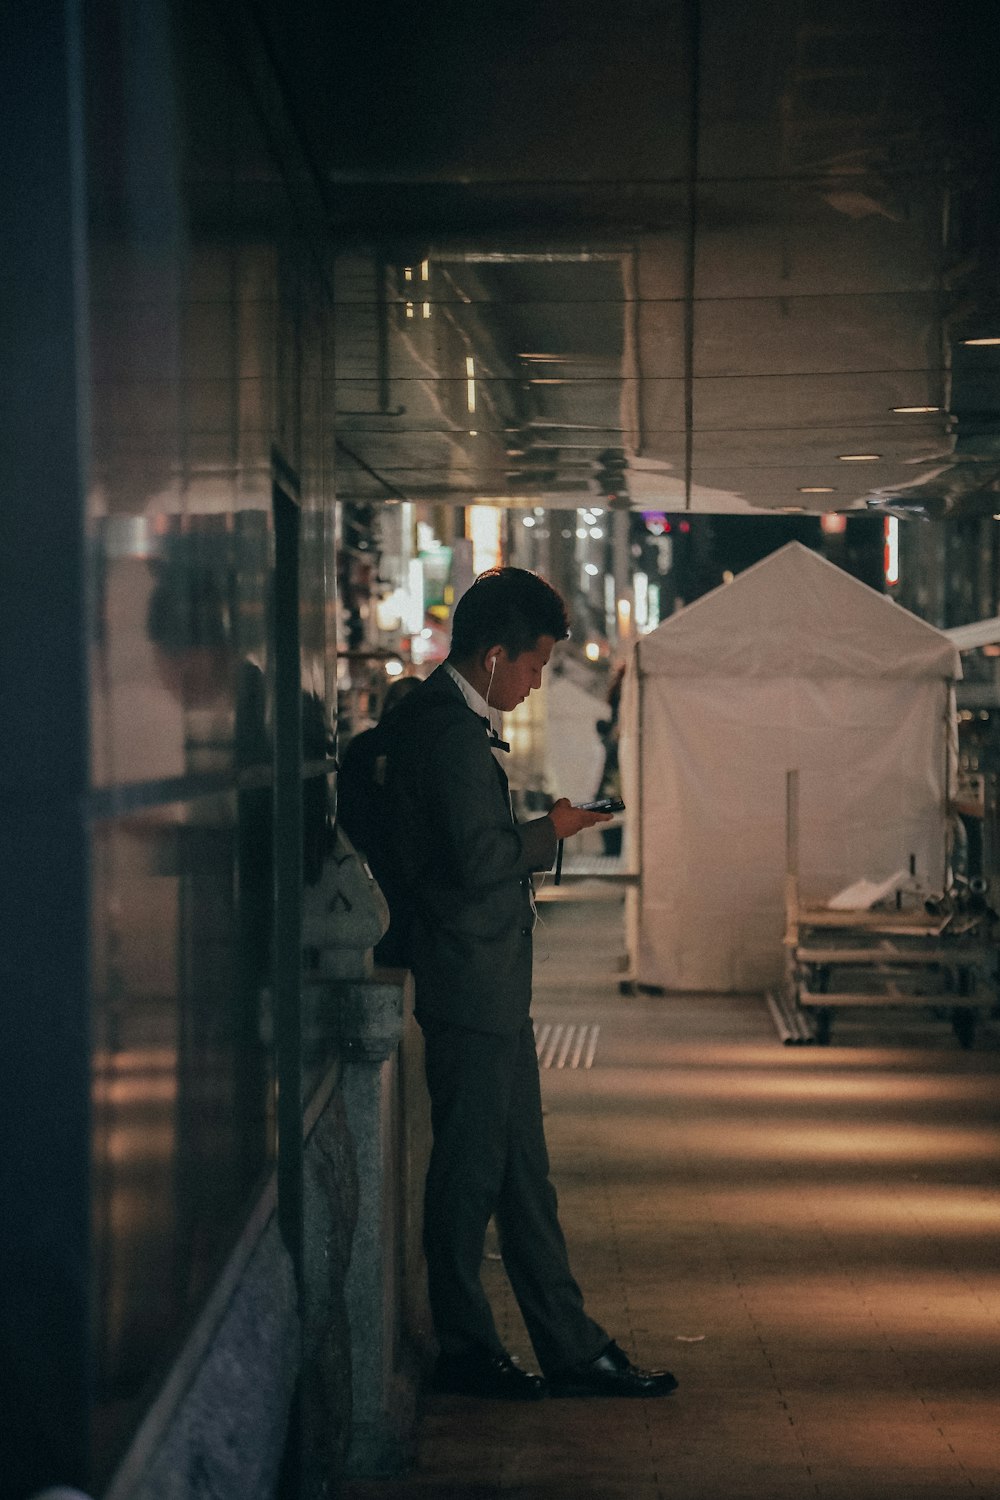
(695, 254)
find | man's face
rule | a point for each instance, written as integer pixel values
(515, 677)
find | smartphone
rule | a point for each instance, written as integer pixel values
(603, 804)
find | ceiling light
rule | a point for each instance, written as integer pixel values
(915, 409)
(596, 533)
(816, 489)
(859, 458)
(592, 569)
(527, 520)
(983, 343)
(581, 532)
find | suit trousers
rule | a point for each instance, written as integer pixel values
(489, 1159)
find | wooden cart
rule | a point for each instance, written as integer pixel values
(897, 953)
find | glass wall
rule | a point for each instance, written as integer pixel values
(208, 354)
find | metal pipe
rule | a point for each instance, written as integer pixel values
(287, 980)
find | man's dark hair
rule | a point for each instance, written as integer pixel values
(507, 607)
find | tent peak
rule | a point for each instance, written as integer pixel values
(795, 612)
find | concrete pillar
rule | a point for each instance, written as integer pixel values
(45, 1062)
(382, 1092)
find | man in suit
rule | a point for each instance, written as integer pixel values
(462, 870)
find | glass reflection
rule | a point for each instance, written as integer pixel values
(183, 1076)
(183, 1083)
(180, 645)
(184, 1086)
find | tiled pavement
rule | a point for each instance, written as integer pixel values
(809, 1237)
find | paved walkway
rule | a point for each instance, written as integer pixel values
(808, 1237)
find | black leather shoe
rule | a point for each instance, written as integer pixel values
(612, 1373)
(496, 1377)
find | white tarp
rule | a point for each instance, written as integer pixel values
(793, 665)
(574, 752)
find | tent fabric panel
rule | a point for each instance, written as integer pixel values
(713, 757)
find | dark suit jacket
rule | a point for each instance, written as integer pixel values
(464, 864)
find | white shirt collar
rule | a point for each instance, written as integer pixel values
(475, 700)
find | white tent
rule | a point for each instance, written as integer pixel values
(792, 665)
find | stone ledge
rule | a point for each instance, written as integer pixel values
(368, 1015)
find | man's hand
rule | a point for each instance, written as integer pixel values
(569, 819)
